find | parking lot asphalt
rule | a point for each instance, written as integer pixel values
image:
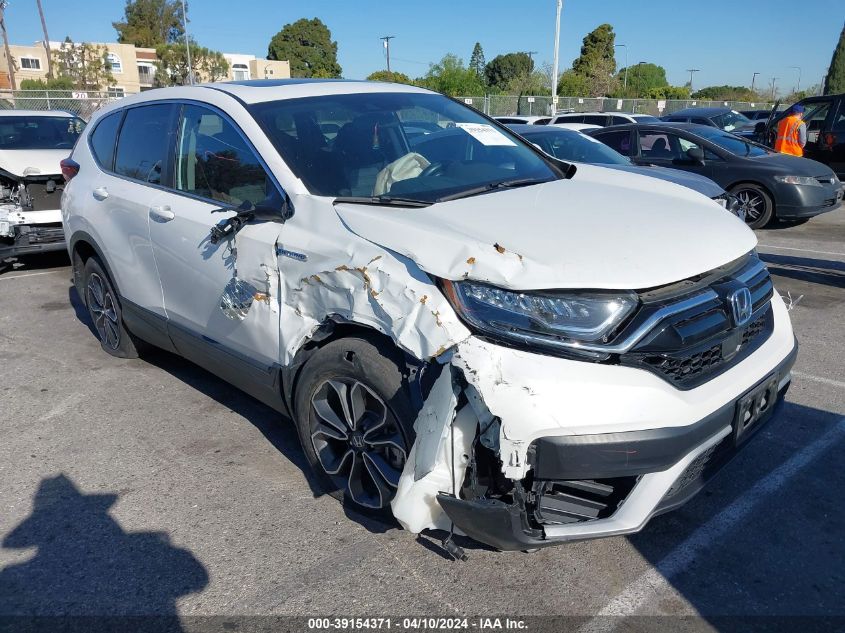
(151, 487)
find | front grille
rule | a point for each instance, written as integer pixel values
(695, 345)
(575, 501)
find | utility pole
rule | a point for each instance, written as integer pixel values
(556, 57)
(386, 39)
(46, 40)
(774, 79)
(691, 71)
(798, 68)
(753, 77)
(9, 60)
(187, 44)
(625, 83)
(530, 60)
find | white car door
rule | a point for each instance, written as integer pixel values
(221, 299)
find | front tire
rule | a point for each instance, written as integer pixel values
(355, 420)
(105, 311)
(756, 202)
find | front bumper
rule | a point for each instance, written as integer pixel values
(31, 239)
(670, 466)
(800, 201)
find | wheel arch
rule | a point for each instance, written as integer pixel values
(82, 246)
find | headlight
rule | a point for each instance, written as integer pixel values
(556, 320)
(798, 180)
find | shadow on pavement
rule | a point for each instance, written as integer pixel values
(817, 271)
(87, 570)
(762, 545)
(36, 262)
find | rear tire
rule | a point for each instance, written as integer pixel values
(355, 418)
(103, 305)
(756, 202)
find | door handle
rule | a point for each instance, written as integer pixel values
(162, 213)
(100, 193)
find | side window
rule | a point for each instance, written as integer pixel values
(103, 140)
(620, 141)
(575, 118)
(659, 145)
(596, 119)
(143, 143)
(618, 120)
(702, 121)
(214, 161)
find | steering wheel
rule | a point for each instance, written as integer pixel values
(434, 169)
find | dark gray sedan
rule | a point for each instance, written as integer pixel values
(768, 185)
(573, 146)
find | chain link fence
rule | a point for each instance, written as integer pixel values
(511, 105)
(81, 103)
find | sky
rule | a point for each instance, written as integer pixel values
(727, 40)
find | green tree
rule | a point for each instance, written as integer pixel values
(451, 77)
(596, 64)
(572, 84)
(504, 69)
(834, 82)
(150, 23)
(386, 75)
(56, 83)
(643, 79)
(726, 93)
(83, 64)
(172, 64)
(476, 60)
(308, 46)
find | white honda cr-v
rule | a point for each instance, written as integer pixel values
(465, 331)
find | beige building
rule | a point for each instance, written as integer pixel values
(133, 68)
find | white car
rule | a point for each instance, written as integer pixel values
(466, 331)
(578, 127)
(604, 119)
(523, 120)
(32, 144)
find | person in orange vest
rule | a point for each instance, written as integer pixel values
(792, 132)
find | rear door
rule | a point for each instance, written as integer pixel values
(221, 298)
(131, 177)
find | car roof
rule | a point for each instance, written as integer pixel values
(36, 113)
(689, 127)
(521, 128)
(261, 90)
(701, 111)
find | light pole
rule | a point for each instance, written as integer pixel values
(753, 77)
(625, 81)
(798, 68)
(774, 79)
(691, 71)
(187, 44)
(556, 56)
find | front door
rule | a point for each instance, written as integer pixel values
(666, 149)
(221, 299)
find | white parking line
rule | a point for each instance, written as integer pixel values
(655, 582)
(46, 272)
(824, 381)
(802, 250)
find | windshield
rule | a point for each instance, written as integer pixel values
(412, 145)
(731, 120)
(574, 146)
(733, 144)
(646, 118)
(39, 132)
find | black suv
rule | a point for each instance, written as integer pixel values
(825, 119)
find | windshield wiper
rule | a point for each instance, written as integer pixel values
(492, 186)
(386, 201)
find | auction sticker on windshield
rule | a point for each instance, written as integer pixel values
(484, 133)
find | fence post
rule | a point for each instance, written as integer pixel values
(48, 100)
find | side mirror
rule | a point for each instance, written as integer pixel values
(696, 155)
(760, 128)
(276, 207)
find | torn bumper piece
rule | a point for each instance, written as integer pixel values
(649, 472)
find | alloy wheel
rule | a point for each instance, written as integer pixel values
(752, 202)
(357, 440)
(101, 305)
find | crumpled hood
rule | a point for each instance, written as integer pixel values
(600, 229)
(696, 182)
(46, 161)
